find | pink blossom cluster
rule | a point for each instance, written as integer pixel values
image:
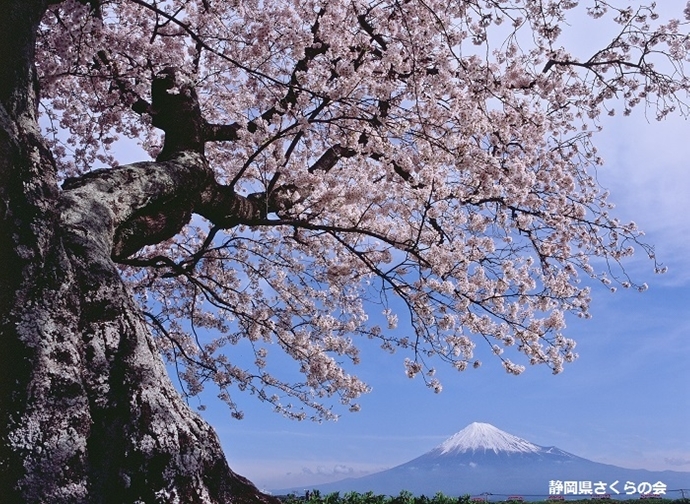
(437, 157)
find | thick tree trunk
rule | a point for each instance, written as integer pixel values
(87, 411)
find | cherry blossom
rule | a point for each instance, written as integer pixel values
(426, 171)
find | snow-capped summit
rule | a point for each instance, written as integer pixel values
(484, 437)
(481, 458)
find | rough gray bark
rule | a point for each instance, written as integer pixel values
(87, 412)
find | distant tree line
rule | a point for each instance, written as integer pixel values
(405, 497)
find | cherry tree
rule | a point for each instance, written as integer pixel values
(315, 167)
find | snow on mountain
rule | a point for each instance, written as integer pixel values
(486, 437)
(481, 458)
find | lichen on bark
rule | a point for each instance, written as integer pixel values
(87, 411)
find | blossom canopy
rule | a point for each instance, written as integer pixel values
(422, 162)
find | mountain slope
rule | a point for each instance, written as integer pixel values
(481, 458)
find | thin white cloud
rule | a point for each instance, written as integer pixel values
(334, 470)
(648, 174)
(677, 461)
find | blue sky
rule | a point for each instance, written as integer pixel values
(625, 401)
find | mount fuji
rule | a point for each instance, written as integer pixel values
(483, 459)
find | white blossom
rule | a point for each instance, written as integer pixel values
(462, 202)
